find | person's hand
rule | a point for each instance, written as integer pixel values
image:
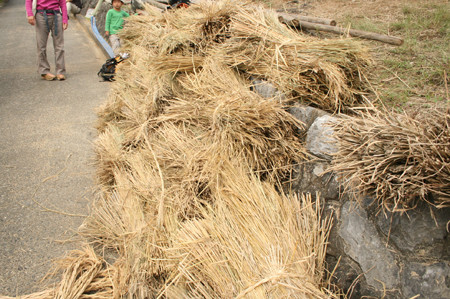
(65, 26)
(31, 20)
(107, 33)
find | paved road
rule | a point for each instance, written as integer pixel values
(46, 134)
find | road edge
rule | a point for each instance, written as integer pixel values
(86, 25)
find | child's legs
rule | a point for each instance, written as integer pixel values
(115, 43)
(41, 40)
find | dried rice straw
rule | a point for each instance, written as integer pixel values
(396, 156)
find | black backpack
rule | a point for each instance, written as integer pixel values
(108, 69)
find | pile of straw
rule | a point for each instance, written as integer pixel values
(253, 243)
(190, 160)
(398, 157)
(249, 241)
(328, 74)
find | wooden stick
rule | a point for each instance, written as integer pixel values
(446, 86)
(296, 18)
(339, 30)
(157, 4)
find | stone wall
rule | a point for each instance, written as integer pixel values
(379, 254)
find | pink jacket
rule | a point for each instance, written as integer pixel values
(47, 4)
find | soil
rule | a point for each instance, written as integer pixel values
(382, 10)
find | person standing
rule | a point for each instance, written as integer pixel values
(51, 16)
(73, 6)
(113, 23)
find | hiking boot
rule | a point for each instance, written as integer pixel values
(48, 77)
(60, 77)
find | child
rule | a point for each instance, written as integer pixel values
(114, 22)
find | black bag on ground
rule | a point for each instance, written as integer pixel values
(108, 69)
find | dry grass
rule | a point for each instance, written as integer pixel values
(83, 273)
(396, 156)
(180, 126)
(251, 243)
(326, 73)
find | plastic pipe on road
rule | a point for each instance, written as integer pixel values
(101, 40)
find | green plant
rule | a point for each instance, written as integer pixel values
(364, 23)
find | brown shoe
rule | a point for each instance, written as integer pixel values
(60, 77)
(48, 77)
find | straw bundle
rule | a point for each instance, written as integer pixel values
(251, 243)
(83, 274)
(125, 220)
(83, 277)
(398, 157)
(323, 73)
(224, 115)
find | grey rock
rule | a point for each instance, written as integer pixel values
(427, 280)
(346, 273)
(306, 114)
(266, 89)
(417, 229)
(312, 177)
(363, 244)
(320, 140)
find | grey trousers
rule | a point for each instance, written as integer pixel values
(42, 33)
(115, 43)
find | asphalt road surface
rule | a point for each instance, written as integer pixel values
(46, 152)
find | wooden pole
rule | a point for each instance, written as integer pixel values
(339, 30)
(294, 17)
(157, 4)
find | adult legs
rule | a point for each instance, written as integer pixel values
(58, 44)
(41, 40)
